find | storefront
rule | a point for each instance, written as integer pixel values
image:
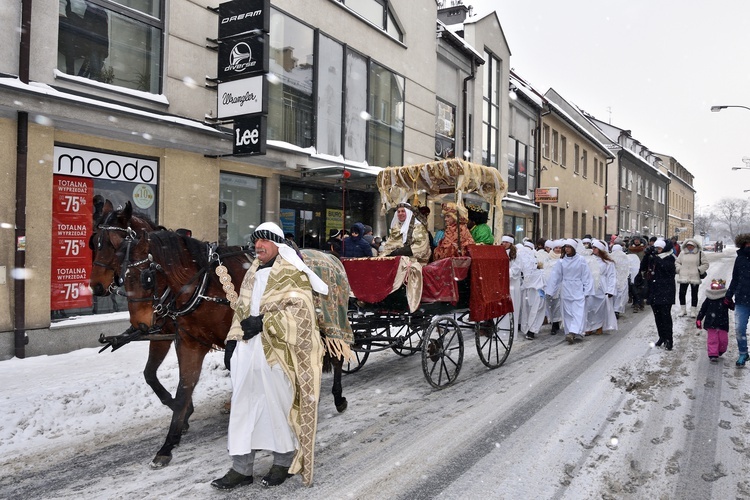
(309, 213)
(82, 180)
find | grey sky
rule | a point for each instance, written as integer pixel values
(658, 65)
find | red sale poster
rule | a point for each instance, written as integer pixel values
(72, 214)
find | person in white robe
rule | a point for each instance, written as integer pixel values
(276, 364)
(572, 278)
(532, 292)
(515, 271)
(553, 308)
(622, 271)
(600, 307)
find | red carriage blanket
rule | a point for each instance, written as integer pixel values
(490, 282)
(373, 279)
(440, 279)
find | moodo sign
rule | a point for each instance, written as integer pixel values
(98, 165)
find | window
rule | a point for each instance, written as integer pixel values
(576, 234)
(118, 43)
(545, 141)
(585, 163)
(630, 181)
(602, 172)
(355, 101)
(555, 151)
(386, 125)
(577, 159)
(518, 173)
(378, 12)
(583, 224)
(562, 223)
(290, 101)
(243, 199)
(563, 150)
(330, 73)
(624, 178)
(491, 110)
(640, 185)
(445, 130)
(82, 181)
(596, 171)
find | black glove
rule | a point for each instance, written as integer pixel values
(251, 326)
(650, 250)
(229, 346)
(405, 250)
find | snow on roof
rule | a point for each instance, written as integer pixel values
(44, 89)
(579, 128)
(452, 33)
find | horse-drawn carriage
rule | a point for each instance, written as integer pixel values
(177, 293)
(409, 308)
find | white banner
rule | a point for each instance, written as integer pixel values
(97, 165)
(241, 97)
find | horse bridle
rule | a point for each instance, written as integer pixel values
(117, 279)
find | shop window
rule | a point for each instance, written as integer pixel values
(118, 43)
(241, 201)
(82, 181)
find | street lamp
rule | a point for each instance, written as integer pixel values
(746, 161)
(716, 109)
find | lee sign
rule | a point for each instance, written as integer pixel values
(242, 97)
(250, 136)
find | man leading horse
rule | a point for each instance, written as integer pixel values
(276, 365)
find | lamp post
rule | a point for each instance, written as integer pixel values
(716, 109)
(746, 161)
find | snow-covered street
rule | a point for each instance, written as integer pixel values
(611, 417)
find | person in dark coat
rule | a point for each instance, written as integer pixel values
(714, 318)
(334, 242)
(637, 247)
(356, 245)
(659, 264)
(739, 293)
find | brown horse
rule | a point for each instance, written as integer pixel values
(111, 228)
(195, 308)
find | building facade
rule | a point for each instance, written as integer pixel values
(681, 196)
(574, 164)
(124, 107)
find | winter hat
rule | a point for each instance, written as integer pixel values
(528, 244)
(558, 243)
(717, 289)
(548, 244)
(571, 243)
(586, 240)
(507, 239)
(600, 245)
(616, 248)
(660, 243)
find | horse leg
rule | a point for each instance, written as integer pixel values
(157, 351)
(191, 361)
(337, 390)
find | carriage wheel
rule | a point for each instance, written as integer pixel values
(412, 340)
(442, 352)
(494, 338)
(357, 361)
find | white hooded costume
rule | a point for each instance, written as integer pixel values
(572, 278)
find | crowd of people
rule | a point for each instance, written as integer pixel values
(580, 287)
